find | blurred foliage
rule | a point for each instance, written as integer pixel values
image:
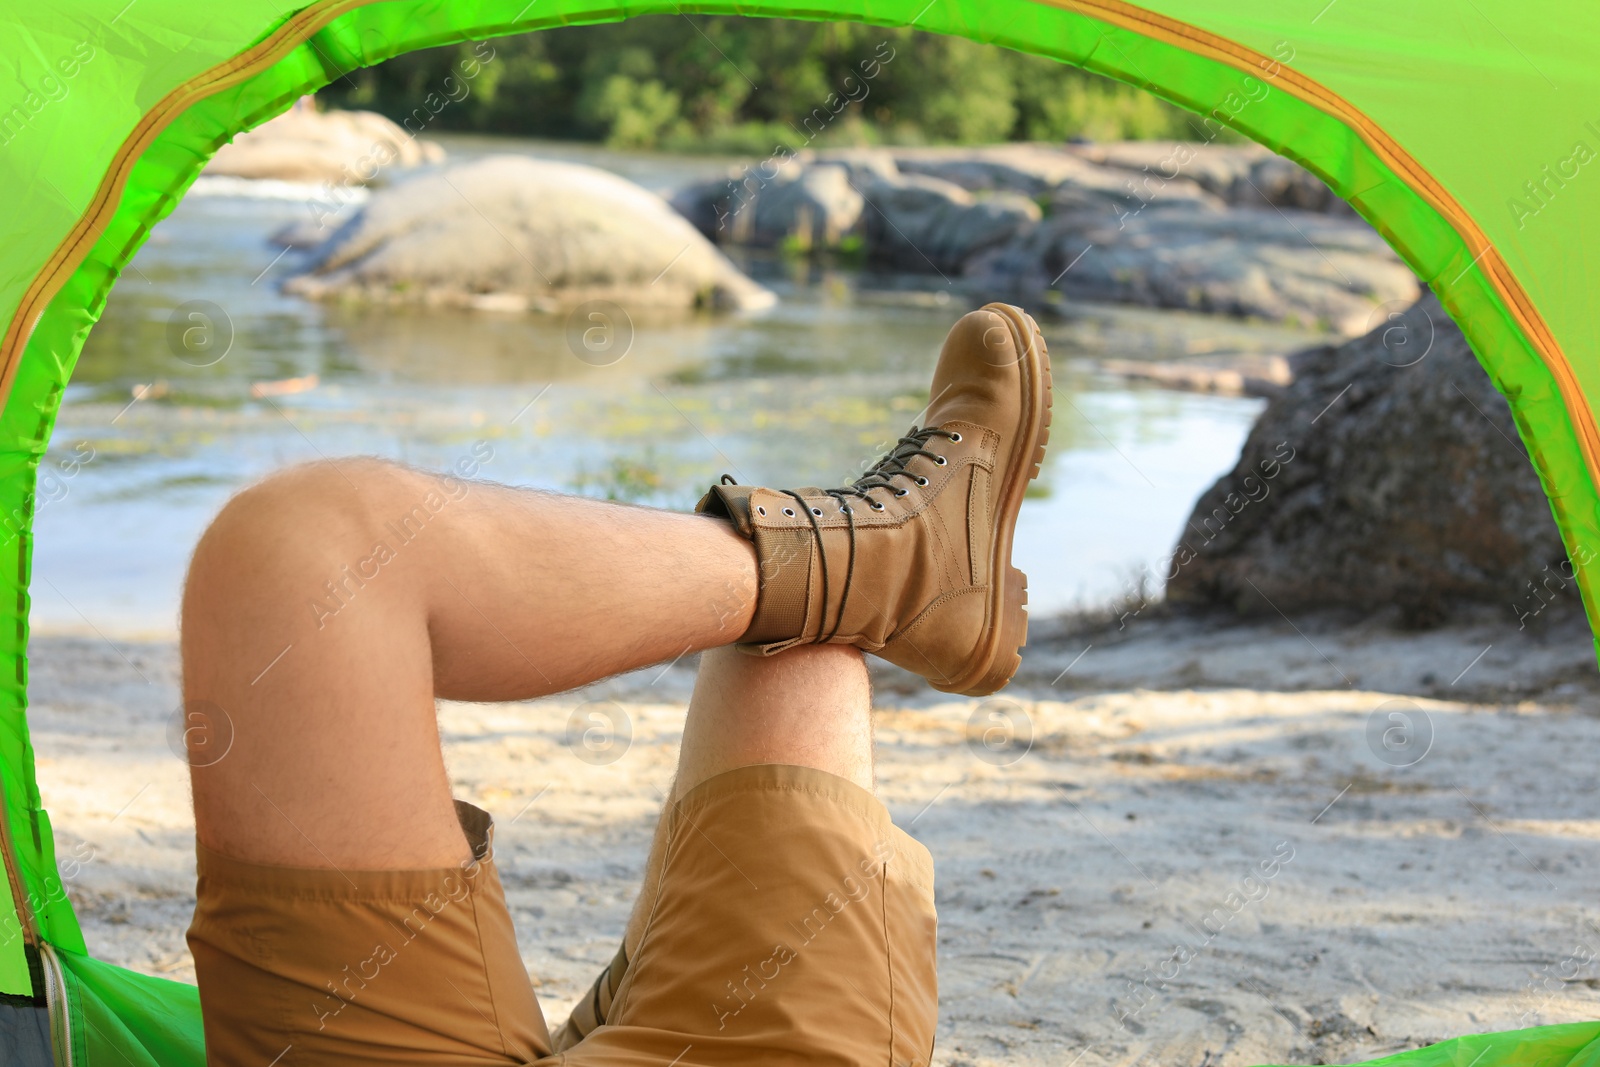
(633, 480)
(749, 85)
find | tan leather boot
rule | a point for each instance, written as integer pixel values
(912, 562)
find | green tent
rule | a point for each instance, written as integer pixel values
(1465, 132)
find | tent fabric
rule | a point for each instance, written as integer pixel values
(1459, 131)
(114, 1016)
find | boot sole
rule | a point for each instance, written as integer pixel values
(997, 655)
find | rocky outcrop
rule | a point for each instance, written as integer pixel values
(826, 200)
(1237, 375)
(513, 233)
(1246, 174)
(801, 206)
(1233, 230)
(1265, 262)
(1388, 473)
(1031, 170)
(919, 223)
(808, 201)
(307, 145)
(1230, 230)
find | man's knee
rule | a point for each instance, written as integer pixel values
(287, 530)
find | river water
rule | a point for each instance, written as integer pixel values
(149, 444)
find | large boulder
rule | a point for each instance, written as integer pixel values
(1215, 168)
(807, 201)
(1389, 473)
(806, 207)
(1029, 169)
(307, 145)
(1245, 174)
(1180, 252)
(1230, 230)
(922, 224)
(513, 233)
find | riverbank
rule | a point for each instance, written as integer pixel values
(1197, 849)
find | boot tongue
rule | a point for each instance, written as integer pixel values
(731, 502)
(786, 611)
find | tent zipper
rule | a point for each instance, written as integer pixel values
(56, 1001)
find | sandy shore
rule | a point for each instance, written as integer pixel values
(1204, 844)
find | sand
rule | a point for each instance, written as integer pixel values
(1204, 843)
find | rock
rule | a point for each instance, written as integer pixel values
(810, 201)
(1031, 170)
(1388, 473)
(1269, 263)
(705, 204)
(1278, 182)
(922, 224)
(805, 207)
(1228, 230)
(1248, 174)
(1240, 375)
(1215, 168)
(509, 233)
(306, 233)
(341, 147)
(819, 209)
(862, 164)
(1130, 174)
(909, 222)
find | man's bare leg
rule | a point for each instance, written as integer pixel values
(327, 607)
(809, 706)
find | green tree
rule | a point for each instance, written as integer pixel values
(724, 82)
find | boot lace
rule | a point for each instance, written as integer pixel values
(880, 475)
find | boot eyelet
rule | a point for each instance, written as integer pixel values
(940, 460)
(876, 506)
(956, 438)
(817, 512)
(761, 510)
(921, 481)
(789, 512)
(845, 509)
(902, 492)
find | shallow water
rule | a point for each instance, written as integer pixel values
(808, 393)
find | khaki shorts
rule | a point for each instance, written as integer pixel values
(792, 923)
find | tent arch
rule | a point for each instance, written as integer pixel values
(170, 93)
